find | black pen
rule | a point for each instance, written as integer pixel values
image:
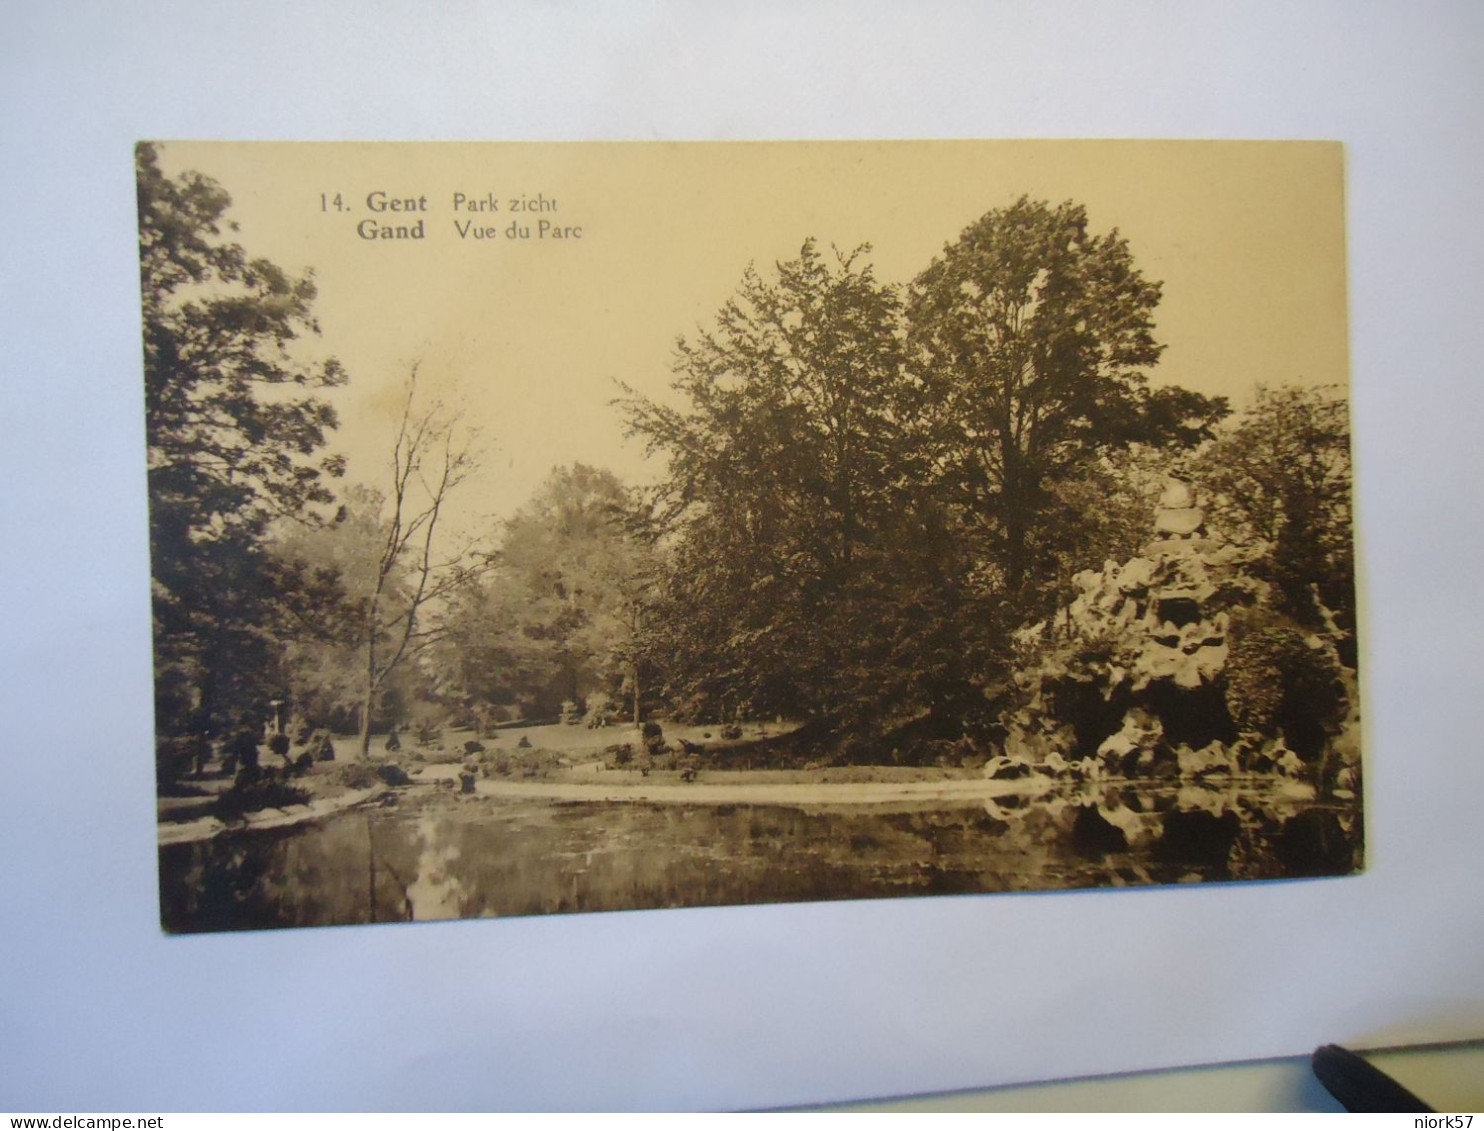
(1360, 1085)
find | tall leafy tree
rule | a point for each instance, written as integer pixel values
(795, 407)
(786, 471)
(870, 494)
(563, 613)
(338, 561)
(235, 435)
(1031, 336)
(1281, 477)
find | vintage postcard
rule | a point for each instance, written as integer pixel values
(578, 527)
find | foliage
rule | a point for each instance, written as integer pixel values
(338, 559)
(431, 458)
(380, 570)
(1282, 477)
(561, 615)
(1104, 514)
(797, 396)
(866, 497)
(176, 756)
(786, 491)
(1031, 336)
(1278, 679)
(266, 792)
(235, 438)
(326, 657)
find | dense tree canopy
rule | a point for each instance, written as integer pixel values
(561, 617)
(235, 437)
(325, 654)
(796, 398)
(1031, 336)
(868, 490)
(1282, 477)
(788, 488)
(868, 495)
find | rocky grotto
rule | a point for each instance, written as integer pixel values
(1176, 664)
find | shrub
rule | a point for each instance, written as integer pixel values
(250, 796)
(358, 777)
(176, 757)
(1277, 681)
(392, 774)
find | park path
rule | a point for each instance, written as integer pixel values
(704, 792)
(633, 789)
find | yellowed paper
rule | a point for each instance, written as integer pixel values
(687, 524)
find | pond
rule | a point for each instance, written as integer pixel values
(439, 856)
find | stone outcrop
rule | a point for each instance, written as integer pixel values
(1126, 679)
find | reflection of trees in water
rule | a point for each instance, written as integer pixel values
(353, 869)
(482, 858)
(1140, 833)
(206, 887)
(437, 891)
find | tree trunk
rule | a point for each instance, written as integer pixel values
(364, 740)
(1015, 492)
(1014, 555)
(368, 695)
(636, 694)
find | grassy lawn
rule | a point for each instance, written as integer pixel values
(576, 741)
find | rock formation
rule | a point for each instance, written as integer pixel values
(1126, 680)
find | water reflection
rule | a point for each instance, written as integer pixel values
(440, 857)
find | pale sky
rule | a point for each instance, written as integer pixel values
(530, 335)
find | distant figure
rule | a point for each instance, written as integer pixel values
(242, 747)
(200, 753)
(393, 741)
(324, 749)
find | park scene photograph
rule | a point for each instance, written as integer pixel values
(584, 527)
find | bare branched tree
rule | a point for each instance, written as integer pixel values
(431, 458)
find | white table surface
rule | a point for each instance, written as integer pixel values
(1447, 1077)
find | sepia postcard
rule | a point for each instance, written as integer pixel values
(595, 526)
